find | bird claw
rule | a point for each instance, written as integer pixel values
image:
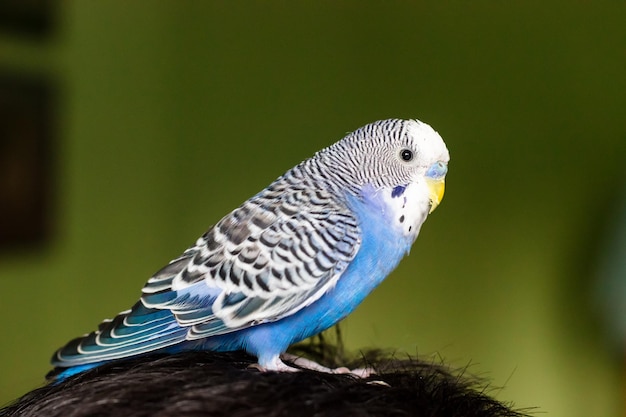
(362, 372)
(314, 366)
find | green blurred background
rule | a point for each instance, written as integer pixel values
(170, 114)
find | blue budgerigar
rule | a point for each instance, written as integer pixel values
(289, 262)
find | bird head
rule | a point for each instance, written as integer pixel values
(391, 154)
(397, 165)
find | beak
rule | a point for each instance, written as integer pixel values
(436, 188)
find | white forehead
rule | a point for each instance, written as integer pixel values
(430, 145)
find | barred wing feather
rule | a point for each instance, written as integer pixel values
(274, 255)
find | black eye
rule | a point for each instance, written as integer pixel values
(406, 154)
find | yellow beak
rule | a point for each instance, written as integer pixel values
(436, 188)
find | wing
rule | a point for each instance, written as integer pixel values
(274, 255)
(277, 253)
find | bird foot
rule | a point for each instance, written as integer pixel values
(274, 366)
(314, 366)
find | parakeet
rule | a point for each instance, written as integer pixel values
(291, 261)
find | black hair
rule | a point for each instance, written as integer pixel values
(194, 384)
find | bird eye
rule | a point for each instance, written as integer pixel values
(406, 155)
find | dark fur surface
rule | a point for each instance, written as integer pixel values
(222, 384)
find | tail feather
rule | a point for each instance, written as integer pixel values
(134, 332)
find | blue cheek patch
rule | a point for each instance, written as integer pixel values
(437, 170)
(398, 191)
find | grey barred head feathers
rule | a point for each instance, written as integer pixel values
(385, 153)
